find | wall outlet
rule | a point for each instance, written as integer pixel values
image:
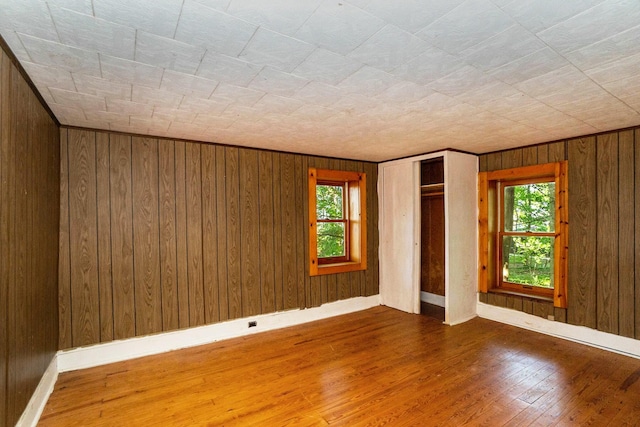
(253, 323)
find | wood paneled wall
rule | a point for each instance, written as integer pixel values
(604, 229)
(29, 218)
(158, 235)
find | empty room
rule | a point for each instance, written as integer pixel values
(319, 213)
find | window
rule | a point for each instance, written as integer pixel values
(523, 231)
(337, 220)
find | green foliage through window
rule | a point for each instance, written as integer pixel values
(529, 208)
(331, 220)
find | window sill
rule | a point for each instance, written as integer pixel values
(521, 294)
(338, 267)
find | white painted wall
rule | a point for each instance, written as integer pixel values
(399, 198)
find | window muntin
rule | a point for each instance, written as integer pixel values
(526, 236)
(345, 192)
(332, 222)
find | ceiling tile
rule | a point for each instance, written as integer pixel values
(27, 17)
(404, 92)
(328, 67)
(413, 15)
(612, 49)
(598, 23)
(86, 32)
(617, 70)
(537, 15)
(56, 55)
(186, 84)
(204, 106)
(156, 97)
(319, 94)
(461, 81)
(282, 16)
(167, 53)
(78, 100)
(155, 16)
(277, 104)
(67, 115)
(508, 46)
(81, 6)
(122, 70)
(174, 115)
(128, 107)
(277, 82)
(102, 87)
(339, 27)
(458, 29)
(389, 48)
(430, 66)
(275, 50)
(368, 81)
(49, 76)
(533, 65)
(212, 29)
(238, 95)
(227, 69)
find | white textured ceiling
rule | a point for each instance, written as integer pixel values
(361, 79)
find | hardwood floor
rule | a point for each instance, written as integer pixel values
(375, 367)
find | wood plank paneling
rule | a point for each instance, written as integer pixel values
(278, 267)
(530, 156)
(29, 240)
(300, 181)
(267, 215)
(5, 196)
(626, 229)
(194, 234)
(582, 232)
(234, 279)
(209, 235)
(250, 232)
(83, 238)
(105, 284)
(637, 231)
(181, 233)
(289, 233)
(221, 220)
(607, 232)
(146, 229)
(494, 161)
(121, 201)
(557, 151)
(543, 153)
(512, 158)
(64, 259)
(168, 242)
(204, 233)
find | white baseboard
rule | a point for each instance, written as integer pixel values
(580, 334)
(32, 412)
(432, 298)
(117, 351)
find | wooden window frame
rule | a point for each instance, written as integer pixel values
(489, 187)
(355, 205)
(344, 220)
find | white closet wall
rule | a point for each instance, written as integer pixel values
(399, 210)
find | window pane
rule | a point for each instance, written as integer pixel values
(530, 207)
(528, 260)
(330, 239)
(329, 203)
